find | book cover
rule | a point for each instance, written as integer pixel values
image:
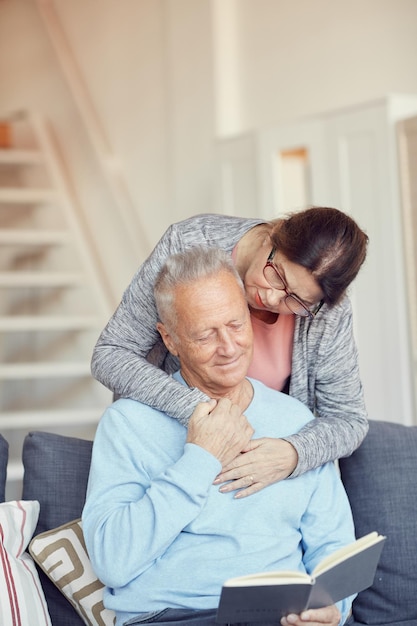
(270, 595)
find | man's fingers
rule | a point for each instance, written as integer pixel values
(221, 429)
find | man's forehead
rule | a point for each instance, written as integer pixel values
(211, 301)
(221, 284)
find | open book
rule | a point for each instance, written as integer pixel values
(270, 595)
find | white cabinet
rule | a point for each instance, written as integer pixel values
(346, 159)
(407, 146)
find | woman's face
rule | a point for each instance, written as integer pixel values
(299, 281)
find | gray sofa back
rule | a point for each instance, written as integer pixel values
(380, 479)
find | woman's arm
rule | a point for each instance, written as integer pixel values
(129, 357)
(326, 377)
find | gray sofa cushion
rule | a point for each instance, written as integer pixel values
(381, 482)
(4, 457)
(56, 474)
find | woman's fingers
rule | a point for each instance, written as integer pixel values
(266, 461)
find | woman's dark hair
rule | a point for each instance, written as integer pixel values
(325, 241)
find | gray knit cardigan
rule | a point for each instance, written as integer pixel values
(325, 373)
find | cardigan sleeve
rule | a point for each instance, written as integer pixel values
(325, 377)
(129, 347)
(129, 357)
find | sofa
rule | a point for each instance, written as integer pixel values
(380, 479)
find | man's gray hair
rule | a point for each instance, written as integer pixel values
(187, 267)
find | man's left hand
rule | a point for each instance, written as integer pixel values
(263, 462)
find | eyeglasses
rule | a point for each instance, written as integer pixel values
(292, 301)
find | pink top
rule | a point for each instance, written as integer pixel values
(272, 351)
(272, 348)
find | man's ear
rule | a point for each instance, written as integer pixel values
(167, 338)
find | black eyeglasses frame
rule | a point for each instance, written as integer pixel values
(304, 311)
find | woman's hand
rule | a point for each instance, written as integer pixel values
(327, 616)
(263, 462)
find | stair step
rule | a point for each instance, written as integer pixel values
(33, 323)
(35, 195)
(41, 279)
(26, 195)
(13, 156)
(33, 237)
(34, 420)
(18, 371)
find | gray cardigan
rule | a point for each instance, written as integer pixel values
(325, 373)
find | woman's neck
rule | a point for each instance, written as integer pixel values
(248, 246)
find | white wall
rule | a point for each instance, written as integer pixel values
(30, 78)
(121, 52)
(166, 77)
(301, 57)
(149, 72)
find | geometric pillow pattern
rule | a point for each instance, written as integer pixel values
(56, 474)
(22, 601)
(62, 555)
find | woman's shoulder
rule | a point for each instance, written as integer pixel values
(217, 219)
(214, 229)
(330, 322)
(331, 316)
(340, 315)
(209, 229)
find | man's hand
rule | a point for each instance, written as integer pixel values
(220, 428)
(328, 616)
(264, 460)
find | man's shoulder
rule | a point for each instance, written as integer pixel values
(137, 417)
(128, 405)
(282, 410)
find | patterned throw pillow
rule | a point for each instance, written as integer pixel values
(22, 599)
(62, 555)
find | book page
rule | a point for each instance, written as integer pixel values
(268, 578)
(346, 552)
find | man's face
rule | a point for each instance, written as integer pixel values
(213, 334)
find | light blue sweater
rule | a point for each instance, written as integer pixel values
(159, 533)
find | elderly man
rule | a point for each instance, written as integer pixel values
(162, 537)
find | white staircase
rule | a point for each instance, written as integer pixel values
(52, 307)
